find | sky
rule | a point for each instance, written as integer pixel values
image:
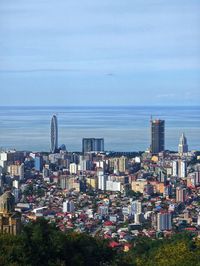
(108, 52)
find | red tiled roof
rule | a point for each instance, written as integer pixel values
(190, 229)
(114, 244)
(108, 223)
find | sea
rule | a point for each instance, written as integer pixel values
(124, 128)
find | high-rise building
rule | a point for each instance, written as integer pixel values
(68, 206)
(21, 172)
(92, 145)
(183, 146)
(102, 178)
(164, 221)
(136, 207)
(162, 177)
(179, 168)
(175, 168)
(38, 163)
(180, 194)
(193, 179)
(182, 168)
(87, 145)
(99, 145)
(123, 164)
(157, 136)
(73, 168)
(16, 170)
(54, 134)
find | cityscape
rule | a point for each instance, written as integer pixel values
(113, 195)
(99, 133)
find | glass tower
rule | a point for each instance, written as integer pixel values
(54, 134)
(92, 145)
(157, 136)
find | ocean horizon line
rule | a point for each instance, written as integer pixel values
(97, 106)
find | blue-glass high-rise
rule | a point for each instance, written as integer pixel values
(92, 145)
(54, 134)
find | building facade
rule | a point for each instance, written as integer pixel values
(92, 145)
(10, 221)
(183, 146)
(164, 221)
(157, 136)
(180, 194)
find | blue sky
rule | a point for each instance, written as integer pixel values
(108, 52)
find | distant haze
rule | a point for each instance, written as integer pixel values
(107, 52)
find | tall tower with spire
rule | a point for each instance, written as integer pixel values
(54, 134)
(183, 146)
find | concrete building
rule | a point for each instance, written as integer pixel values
(180, 194)
(92, 182)
(182, 169)
(164, 221)
(193, 179)
(136, 207)
(113, 185)
(16, 170)
(68, 206)
(15, 184)
(102, 182)
(175, 168)
(123, 164)
(139, 185)
(84, 164)
(73, 168)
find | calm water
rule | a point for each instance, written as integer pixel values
(123, 128)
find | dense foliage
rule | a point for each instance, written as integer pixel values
(180, 250)
(43, 244)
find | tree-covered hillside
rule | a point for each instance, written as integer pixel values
(43, 244)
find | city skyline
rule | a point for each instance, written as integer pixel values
(100, 53)
(96, 144)
(100, 132)
(124, 129)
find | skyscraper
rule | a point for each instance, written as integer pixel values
(157, 136)
(54, 134)
(92, 144)
(99, 144)
(183, 146)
